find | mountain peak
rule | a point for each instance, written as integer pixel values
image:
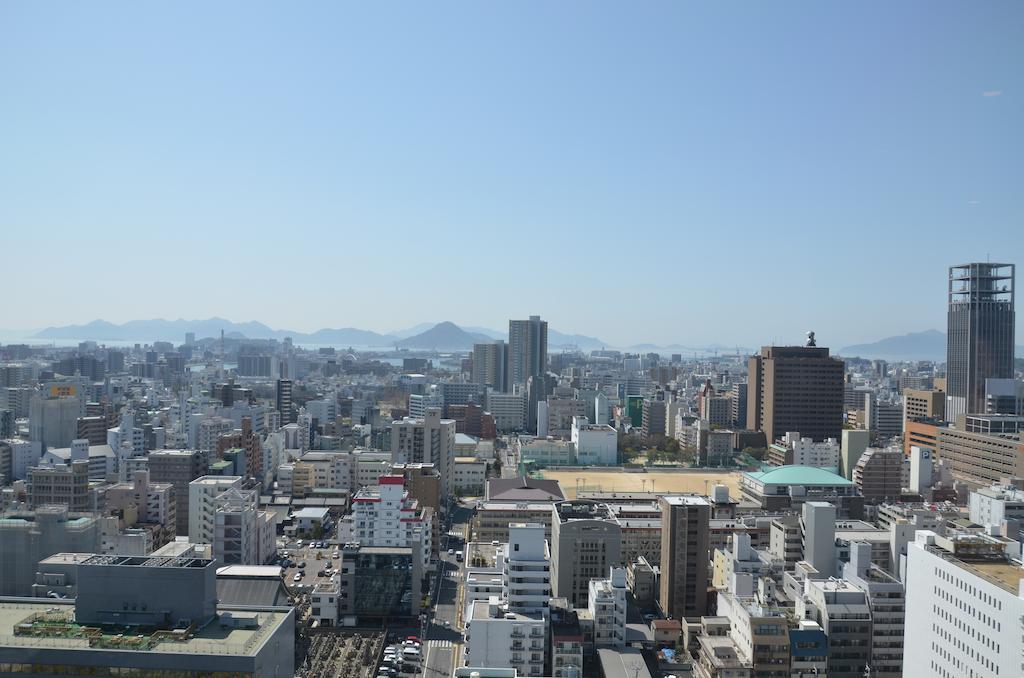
(444, 335)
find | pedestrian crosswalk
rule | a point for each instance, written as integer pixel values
(441, 644)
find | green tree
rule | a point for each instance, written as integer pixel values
(688, 455)
(758, 453)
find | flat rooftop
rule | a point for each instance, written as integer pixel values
(482, 610)
(148, 561)
(624, 663)
(212, 639)
(685, 500)
(66, 558)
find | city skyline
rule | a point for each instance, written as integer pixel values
(675, 164)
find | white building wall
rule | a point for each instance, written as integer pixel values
(201, 508)
(959, 623)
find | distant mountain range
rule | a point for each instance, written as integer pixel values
(174, 330)
(442, 336)
(927, 345)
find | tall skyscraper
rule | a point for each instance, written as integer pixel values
(527, 349)
(490, 365)
(979, 337)
(795, 388)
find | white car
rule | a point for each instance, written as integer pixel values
(297, 577)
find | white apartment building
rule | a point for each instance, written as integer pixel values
(887, 602)
(470, 475)
(508, 410)
(126, 432)
(24, 453)
(805, 452)
(511, 630)
(595, 445)
(996, 504)
(210, 430)
(304, 421)
(964, 606)
(419, 403)
(527, 568)
(202, 509)
(243, 534)
(385, 515)
(496, 637)
(330, 469)
(324, 409)
(545, 451)
(606, 602)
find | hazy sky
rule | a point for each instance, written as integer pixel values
(665, 172)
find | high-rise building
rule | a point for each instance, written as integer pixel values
(652, 422)
(685, 552)
(887, 603)
(490, 365)
(243, 534)
(586, 540)
(527, 349)
(284, 401)
(428, 440)
(178, 468)
(202, 507)
(979, 338)
(795, 388)
(54, 421)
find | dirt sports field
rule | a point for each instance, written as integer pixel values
(616, 480)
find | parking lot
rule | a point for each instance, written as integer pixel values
(308, 560)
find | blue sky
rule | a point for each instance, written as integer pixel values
(664, 172)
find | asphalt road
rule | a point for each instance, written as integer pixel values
(443, 639)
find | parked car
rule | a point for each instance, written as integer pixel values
(297, 577)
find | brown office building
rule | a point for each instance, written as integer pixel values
(93, 429)
(795, 388)
(179, 468)
(64, 485)
(981, 455)
(878, 474)
(923, 404)
(685, 553)
(923, 433)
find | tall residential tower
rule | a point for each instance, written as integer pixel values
(527, 349)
